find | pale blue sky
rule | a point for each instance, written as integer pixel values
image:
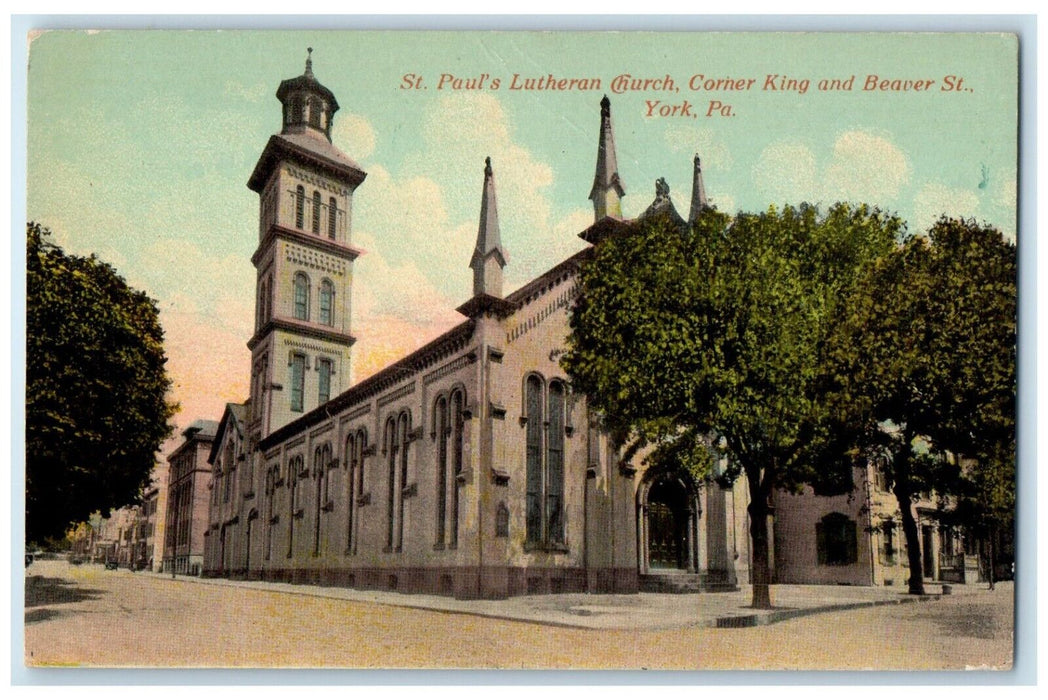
(140, 145)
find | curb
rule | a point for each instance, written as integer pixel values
(723, 622)
(768, 618)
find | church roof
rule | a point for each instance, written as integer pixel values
(307, 82)
(662, 204)
(314, 149)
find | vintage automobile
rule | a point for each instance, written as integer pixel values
(112, 565)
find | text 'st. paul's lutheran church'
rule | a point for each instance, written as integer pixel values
(468, 467)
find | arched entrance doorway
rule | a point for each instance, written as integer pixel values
(668, 524)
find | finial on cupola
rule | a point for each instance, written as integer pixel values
(309, 61)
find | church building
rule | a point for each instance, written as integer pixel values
(469, 467)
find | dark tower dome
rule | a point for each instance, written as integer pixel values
(308, 105)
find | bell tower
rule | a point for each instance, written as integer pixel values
(300, 350)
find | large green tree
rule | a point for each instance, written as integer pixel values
(96, 386)
(926, 356)
(680, 335)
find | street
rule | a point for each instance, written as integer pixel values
(87, 616)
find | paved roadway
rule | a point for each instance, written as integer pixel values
(87, 616)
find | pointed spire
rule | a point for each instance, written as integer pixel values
(309, 62)
(607, 191)
(698, 192)
(488, 258)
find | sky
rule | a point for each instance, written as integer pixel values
(140, 144)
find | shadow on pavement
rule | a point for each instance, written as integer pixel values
(40, 591)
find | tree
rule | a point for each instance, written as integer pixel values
(926, 357)
(96, 385)
(685, 335)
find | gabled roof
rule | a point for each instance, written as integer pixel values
(233, 418)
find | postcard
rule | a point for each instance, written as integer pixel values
(513, 349)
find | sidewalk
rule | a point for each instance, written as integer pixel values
(642, 611)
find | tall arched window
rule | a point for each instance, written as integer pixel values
(301, 296)
(555, 465)
(316, 212)
(391, 447)
(544, 415)
(332, 217)
(458, 420)
(323, 380)
(300, 206)
(321, 460)
(298, 381)
(441, 431)
(294, 510)
(261, 304)
(327, 303)
(404, 427)
(355, 444)
(533, 415)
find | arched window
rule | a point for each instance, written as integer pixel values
(327, 303)
(294, 509)
(298, 379)
(544, 418)
(316, 212)
(332, 217)
(315, 109)
(323, 380)
(458, 422)
(300, 206)
(272, 474)
(555, 464)
(533, 479)
(261, 305)
(301, 296)
(836, 540)
(355, 446)
(391, 447)
(441, 431)
(404, 428)
(321, 460)
(297, 108)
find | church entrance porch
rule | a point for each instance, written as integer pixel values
(681, 546)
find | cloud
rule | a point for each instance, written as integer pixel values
(935, 199)
(862, 167)
(691, 139)
(865, 168)
(354, 135)
(785, 172)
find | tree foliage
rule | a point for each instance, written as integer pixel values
(927, 358)
(96, 385)
(719, 330)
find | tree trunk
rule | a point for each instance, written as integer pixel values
(913, 540)
(760, 574)
(991, 573)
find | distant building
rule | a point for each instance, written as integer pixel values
(187, 502)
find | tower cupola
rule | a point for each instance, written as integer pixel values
(308, 105)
